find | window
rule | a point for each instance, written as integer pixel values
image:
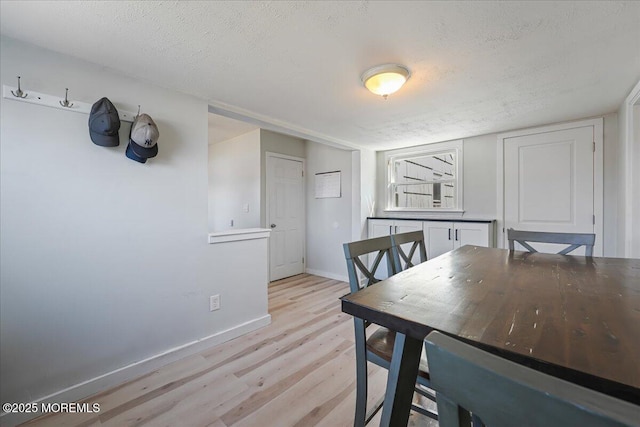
(429, 180)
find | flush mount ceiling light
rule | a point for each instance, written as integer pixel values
(385, 79)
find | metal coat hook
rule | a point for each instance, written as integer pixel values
(138, 111)
(19, 93)
(66, 102)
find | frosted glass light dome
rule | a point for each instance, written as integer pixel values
(385, 79)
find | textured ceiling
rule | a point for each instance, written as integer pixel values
(477, 67)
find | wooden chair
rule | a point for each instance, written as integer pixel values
(504, 393)
(378, 348)
(381, 247)
(405, 258)
(574, 240)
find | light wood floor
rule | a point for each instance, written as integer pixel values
(298, 371)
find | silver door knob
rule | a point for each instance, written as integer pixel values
(273, 226)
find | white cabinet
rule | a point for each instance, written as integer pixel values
(384, 227)
(441, 237)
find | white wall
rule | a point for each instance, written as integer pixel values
(367, 183)
(480, 176)
(611, 186)
(356, 196)
(621, 231)
(234, 182)
(479, 172)
(329, 221)
(480, 181)
(105, 261)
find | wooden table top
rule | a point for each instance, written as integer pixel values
(573, 317)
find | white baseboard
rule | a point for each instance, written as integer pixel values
(327, 274)
(136, 369)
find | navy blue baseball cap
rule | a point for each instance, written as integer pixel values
(132, 155)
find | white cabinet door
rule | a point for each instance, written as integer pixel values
(471, 233)
(379, 227)
(400, 226)
(406, 227)
(443, 236)
(384, 227)
(438, 237)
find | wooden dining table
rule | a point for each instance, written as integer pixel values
(577, 318)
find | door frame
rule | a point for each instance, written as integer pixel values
(598, 175)
(269, 156)
(627, 147)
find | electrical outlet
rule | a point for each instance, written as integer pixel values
(214, 302)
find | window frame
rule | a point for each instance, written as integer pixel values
(432, 149)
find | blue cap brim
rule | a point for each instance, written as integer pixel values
(145, 152)
(133, 156)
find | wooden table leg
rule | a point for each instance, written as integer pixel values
(401, 381)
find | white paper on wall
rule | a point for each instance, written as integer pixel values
(328, 185)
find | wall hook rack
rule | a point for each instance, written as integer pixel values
(19, 93)
(66, 102)
(53, 101)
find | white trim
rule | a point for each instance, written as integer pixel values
(268, 156)
(500, 234)
(627, 145)
(326, 274)
(598, 175)
(275, 125)
(551, 128)
(126, 373)
(284, 156)
(598, 185)
(435, 211)
(53, 101)
(240, 234)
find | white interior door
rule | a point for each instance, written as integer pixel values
(549, 183)
(285, 216)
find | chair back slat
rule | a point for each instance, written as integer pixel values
(403, 258)
(574, 240)
(381, 247)
(516, 395)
